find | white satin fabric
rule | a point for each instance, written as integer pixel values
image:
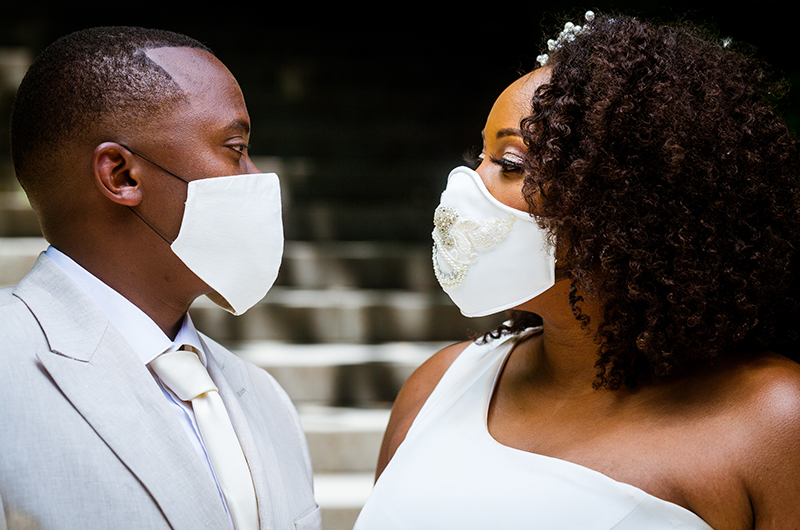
(450, 473)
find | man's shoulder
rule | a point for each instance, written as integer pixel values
(15, 316)
(215, 346)
(6, 295)
(223, 356)
(230, 361)
(258, 390)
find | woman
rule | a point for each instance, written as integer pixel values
(646, 378)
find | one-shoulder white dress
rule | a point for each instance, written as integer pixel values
(449, 473)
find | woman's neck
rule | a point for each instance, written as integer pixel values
(567, 353)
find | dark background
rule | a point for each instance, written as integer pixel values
(364, 110)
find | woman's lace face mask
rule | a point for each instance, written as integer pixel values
(487, 256)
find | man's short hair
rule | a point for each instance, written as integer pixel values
(84, 85)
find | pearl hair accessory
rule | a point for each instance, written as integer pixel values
(568, 34)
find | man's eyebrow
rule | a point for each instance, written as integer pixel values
(242, 126)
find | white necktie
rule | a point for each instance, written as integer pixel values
(186, 376)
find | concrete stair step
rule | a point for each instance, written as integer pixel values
(360, 218)
(339, 375)
(342, 315)
(343, 440)
(357, 264)
(341, 497)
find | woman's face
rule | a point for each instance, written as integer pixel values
(503, 147)
(501, 164)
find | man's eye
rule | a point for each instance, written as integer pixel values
(240, 148)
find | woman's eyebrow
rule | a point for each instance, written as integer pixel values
(502, 133)
(508, 131)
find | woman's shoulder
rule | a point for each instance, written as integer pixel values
(750, 392)
(425, 378)
(421, 384)
(766, 388)
(770, 398)
(423, 381)
(763, 435)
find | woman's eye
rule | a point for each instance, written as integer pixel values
(509, 165)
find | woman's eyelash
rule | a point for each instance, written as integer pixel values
(508, 166)
(473, 158)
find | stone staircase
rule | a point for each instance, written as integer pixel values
(346, 323)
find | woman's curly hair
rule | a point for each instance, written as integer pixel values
(658, 160)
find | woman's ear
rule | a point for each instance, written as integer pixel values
(115, 174)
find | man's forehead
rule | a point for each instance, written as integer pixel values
(193, 69)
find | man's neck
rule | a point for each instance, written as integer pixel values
(148, 292)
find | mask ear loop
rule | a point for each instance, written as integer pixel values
(158, 166)
(167, 241)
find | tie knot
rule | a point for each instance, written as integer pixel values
(183, 373)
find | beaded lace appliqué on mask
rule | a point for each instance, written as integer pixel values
(458, 241)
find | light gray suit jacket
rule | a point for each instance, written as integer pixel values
(87, 440)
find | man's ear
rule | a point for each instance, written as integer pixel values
(115, 174)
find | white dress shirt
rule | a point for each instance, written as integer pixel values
(146, 339)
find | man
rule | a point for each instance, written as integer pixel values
(132, 147)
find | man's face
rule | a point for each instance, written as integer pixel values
(207, 136)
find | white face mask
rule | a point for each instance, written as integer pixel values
(487, 256)
(231, 235)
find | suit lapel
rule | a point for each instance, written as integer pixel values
(235, 388)
(107, 383)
